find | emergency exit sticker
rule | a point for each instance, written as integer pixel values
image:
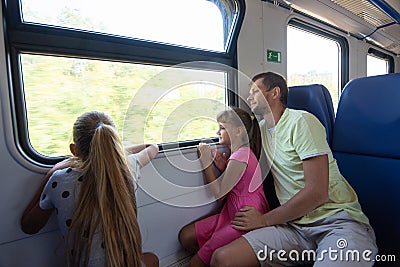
(273, 56)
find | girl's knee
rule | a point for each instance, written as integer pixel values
(187, 238)
(220, 258)
(150, 259)
(184, 236)
(237, 253)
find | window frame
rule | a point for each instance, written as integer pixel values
(381, 55)
(33, 38)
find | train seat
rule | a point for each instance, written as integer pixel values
(366, 145)
(316, 99)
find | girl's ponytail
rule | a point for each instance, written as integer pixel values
(116, 198)
(255, 136)
(107, 202)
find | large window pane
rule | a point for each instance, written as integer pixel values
(313, 59)
(59, 89)
(67, 58)
(192, 23)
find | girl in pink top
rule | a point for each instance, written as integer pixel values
(240, 184)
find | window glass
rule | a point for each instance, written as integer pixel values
(312, 58)
(71, 56)
(178, 22)
(376, 66)
(59, 89)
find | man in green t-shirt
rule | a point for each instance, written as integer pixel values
(320, 219)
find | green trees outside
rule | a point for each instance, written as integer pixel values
(328, 79)
(59, 89)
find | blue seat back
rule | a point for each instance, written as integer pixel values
(316, 99)
(366, 145)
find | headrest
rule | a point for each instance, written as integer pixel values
(368, 117)
(316, 99)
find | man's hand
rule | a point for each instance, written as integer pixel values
(247, 219)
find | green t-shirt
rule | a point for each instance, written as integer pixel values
(299, 135)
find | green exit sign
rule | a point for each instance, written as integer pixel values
(273, 56)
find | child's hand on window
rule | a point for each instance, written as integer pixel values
(205, 155)
(220, 160)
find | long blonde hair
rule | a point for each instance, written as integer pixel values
(239, 117)
(107, 200)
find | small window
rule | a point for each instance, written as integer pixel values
(314, 57)
(144, 104)
(177, 22)
(376, 66)
(379, 63)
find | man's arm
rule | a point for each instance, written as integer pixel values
(314, 194)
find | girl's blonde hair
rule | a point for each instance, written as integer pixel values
(238, 118)
(107, 200)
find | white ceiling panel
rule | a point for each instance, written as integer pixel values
(358, 17)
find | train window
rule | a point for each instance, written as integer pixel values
(314, 56)
(64, 60)
(178, 22)
(115, 88)
(376, 66)
(379, 63)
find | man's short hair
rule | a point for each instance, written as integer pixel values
(271, 80)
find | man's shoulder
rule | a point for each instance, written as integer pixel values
(298, 114)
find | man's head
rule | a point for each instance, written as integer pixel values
(267, 90)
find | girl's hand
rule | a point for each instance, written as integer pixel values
(220, 160)
(66, 163)
(205, 155)
(247, 219)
